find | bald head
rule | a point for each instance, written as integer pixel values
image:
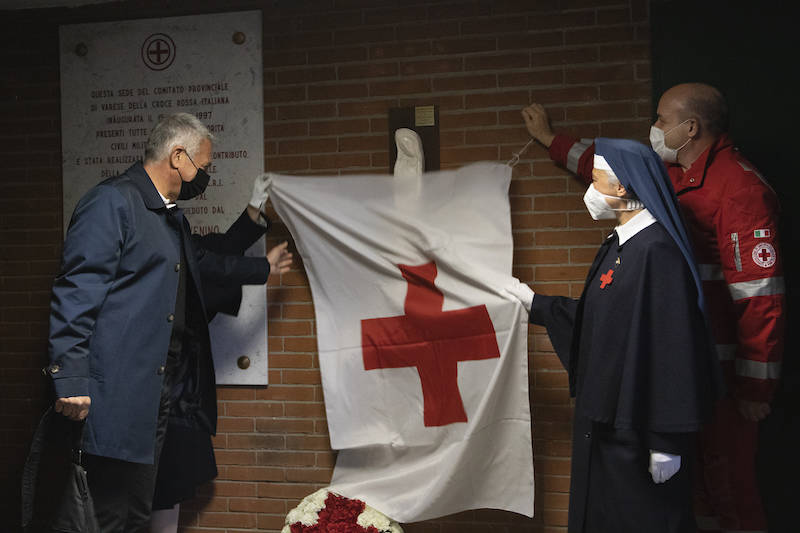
(701, 102)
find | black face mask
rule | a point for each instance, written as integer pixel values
(196, 187)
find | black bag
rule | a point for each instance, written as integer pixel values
(55, 491)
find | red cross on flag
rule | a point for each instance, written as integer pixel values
(423, 355)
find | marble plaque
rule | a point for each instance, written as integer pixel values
(118, 78)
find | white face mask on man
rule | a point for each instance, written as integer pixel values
(658, 142)
(598, 207)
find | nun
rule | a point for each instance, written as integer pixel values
(638, 352)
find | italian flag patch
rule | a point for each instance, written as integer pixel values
(761, 233)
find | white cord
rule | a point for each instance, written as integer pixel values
(516, 155)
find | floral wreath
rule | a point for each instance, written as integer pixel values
(327, 512)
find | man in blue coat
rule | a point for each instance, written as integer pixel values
(128, 325)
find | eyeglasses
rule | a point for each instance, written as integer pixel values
(204, 167)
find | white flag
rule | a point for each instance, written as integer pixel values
(422, 354)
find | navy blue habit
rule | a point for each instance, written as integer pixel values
(640, 362)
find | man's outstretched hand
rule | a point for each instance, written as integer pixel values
(280, 259)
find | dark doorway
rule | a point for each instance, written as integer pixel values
(747, 50)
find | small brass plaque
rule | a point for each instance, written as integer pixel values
(424, 116)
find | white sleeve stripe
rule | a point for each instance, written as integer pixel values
(757, 369)
(575, 153)
(758, 287)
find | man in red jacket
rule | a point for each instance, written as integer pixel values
(732, 215)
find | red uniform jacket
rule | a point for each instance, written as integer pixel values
(732, 216)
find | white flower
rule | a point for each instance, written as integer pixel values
(378, 520)
(307, 513)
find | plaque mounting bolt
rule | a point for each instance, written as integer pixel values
(239, 37)
(81, 49)
(243, 362)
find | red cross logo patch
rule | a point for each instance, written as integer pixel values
(764, 255)
(431, 340)
(607, 278)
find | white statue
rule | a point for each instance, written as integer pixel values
(410, 157)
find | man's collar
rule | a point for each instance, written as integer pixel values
(167, 202)
(140, 178)
(696, 169)
(636, 224)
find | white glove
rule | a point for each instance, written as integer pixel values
(663, 466)
(521, 292)
(261, 187)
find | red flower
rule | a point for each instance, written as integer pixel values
(340, 515)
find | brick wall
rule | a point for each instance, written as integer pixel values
(332, 69)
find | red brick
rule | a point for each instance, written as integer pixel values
(497, 99)
(284, 425)
(235, 520)
(501, 62)
(308, 442)
(337, 54)
(539, 220)
(306, 75)
(561, 19)
(285, 328)
(256, 442)
(308, 110)
(540, 256)
(598, 74)
(254, 473)
(339, 161)
(304, 410)
(309, 475)
(403, 87)
(401, 49)
(287, 164)
(369, 70)
(582, 255)
(528, 41)
(464, 155)
(257, 505)
(362, 143)
(234, 425)
(558, 203)
(598, 35)
(227, 488)
(559, 273)
(464, 45)
(493, 25)
(276, 458)
(428, 30)
(337, 127)
(338, 91)
(285, 94)
(306, 146)
(285, 490)
(300, 344)
(253, 409)
(431, 66)
(227, 457)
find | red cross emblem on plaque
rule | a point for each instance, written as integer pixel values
(431, 340)
(606, 278)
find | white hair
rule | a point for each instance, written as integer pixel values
(180, 129)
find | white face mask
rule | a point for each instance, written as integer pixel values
(658, 142)
(598, 207)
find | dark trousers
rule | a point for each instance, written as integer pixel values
(123, 491)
